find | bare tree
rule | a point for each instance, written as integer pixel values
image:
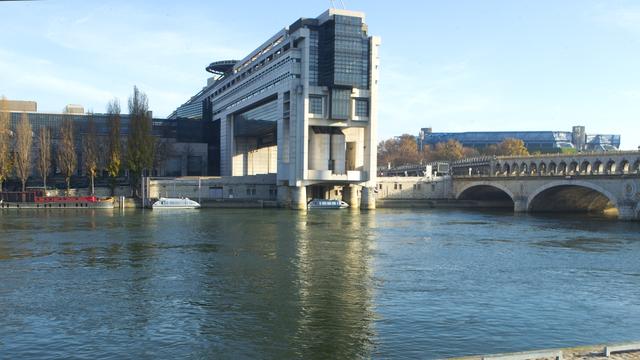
(44, 154)
(161, 153)
(140, 141)
(113, 158)
(90, 151)
(6, 164)
(22, 156)
(67, 157)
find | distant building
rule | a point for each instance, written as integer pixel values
(187, 152)
(543, 141)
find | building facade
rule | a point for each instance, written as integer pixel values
(543, 141)
(184, 150)
(301, 106)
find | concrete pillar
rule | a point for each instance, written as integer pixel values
(368, 199)
(284, 196)
(350, 196)
(627, 211)
(520, 205)
(298, 197)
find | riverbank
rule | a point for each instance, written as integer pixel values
(592, 352)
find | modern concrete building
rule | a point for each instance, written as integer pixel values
(543, 141)
(302, 106)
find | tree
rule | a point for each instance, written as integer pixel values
(448, 151)
(91, 151)
(6, 165)
(161, 153)
(512, 147)
(67, 157)
(140, 141)
(22, 156)
(114, 145)
(44, 154)
(399, 151)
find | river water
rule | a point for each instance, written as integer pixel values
(323, 284)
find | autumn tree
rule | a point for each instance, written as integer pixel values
(66, 154)
(44, 154)
(22, 155)
(512, 147)
(6, 164)
(91, 151)
(140, 141)
(448, 151)
(400, 150)
(113, 156)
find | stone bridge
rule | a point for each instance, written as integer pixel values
(591, 182)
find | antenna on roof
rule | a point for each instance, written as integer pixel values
(333, 4)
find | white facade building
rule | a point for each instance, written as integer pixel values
(302, 106)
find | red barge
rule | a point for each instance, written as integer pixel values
(38, 199)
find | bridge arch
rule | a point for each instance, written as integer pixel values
(562, 168)
(542, 168)
(498, 194)
(585, 168)
(624, 167)
(571, 196)
(610, 168)
(598, 167)
(636, 167)
(533, 168)
(553, 168)
(515, 170)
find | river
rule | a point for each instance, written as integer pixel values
(322, 284)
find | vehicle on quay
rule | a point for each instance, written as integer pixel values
(175, 203)
(326, 204)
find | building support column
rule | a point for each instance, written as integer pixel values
(298, 197)
(350, 196)
(284, 197)
(368, 199)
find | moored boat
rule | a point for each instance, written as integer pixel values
(38, 200)
(175, 203)
(327, 204)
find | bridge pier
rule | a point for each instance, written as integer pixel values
(368, 199)
(628, 211)
(520, 205)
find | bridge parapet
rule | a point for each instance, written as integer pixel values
(611, 163)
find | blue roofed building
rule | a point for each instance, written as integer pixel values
(543, 141)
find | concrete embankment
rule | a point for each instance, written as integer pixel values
(622, 351)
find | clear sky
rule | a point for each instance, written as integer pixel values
(451, 65)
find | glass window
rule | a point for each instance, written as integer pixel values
(362, 107)
(340, 103)
(316, 105)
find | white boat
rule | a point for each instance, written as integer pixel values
(175, 203)
(327, 204)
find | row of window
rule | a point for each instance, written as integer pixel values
(341, 110)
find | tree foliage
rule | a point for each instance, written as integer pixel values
(114, 146)
(44, 154)
(399, 151)
(66, 154)
(6, 164)
(22, 154)
(91, 151)
(512, 147)
(448, 151)
(140, 141)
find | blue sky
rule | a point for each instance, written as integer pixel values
(450, 65)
